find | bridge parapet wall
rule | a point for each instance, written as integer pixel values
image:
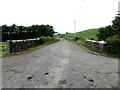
(19, 45)
(96, 45)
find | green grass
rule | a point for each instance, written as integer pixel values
(86, 34)
(79, 43)
(3, 48)
(2, 54)
(91, 33)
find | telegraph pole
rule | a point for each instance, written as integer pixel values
(118, 9)
(74, 27)
(77, 17)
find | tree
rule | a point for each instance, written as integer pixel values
(116, 25)
(5, 32)
(15, 32)
(105, 32)
(110, 31)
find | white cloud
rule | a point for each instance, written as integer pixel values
(59, 13)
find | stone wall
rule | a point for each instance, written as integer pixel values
(96, 45)
(19, 45)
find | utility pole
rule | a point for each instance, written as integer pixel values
(74, 27)
(118, 9)
(77, 17)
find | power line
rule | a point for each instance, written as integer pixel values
(78, 15)
(79, 9)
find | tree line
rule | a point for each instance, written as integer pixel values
(15, 32)
(111, 30)
(111, 34)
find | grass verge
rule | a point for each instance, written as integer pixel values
(92, 51)
(3, 49)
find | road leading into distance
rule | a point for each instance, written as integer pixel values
(59, 65)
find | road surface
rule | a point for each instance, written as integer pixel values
(59, 65)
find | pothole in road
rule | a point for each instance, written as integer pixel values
(90, 80)
(29, 77)
(46, 74)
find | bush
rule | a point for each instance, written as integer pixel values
(113, 46)
(106, 32)
(76, 38)
(48, 39)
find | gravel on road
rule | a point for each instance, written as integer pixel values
(59, 65)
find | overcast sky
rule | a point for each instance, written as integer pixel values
(59, 13)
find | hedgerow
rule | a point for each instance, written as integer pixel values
(113, 46)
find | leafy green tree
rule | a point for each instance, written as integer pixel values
(105, 32)
(111, 34)
(116, 25)
(15, 32)
(5, 32)
(110, 31)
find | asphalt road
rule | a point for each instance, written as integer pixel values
(59, 65)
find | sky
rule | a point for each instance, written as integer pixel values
(61, 14)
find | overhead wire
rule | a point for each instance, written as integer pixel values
(78, 15)
(79, 9)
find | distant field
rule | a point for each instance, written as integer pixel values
(91, 33)
(86, 34)
(3, 48)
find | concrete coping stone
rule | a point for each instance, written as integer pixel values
(101, 42)
(23, 40)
